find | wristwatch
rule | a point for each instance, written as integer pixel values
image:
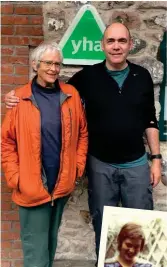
(158, 156)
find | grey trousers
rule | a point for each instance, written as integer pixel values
(108, 186)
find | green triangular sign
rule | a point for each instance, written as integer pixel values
(81, 42)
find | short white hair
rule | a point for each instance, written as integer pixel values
(38, 52)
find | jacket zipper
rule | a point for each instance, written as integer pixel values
(120, 90)
(52, 201)
(70, 112)
(71, 128)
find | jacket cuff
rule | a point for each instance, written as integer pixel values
(80, 172)
(13, 182)
(152, 124)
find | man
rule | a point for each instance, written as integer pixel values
(44, 147)
(119, 104)
(131, 241)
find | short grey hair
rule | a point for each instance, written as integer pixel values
(38, 52)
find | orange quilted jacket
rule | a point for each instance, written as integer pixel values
(21, 147)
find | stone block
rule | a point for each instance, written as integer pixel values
(74, 263)
(69, 70)
(155, 35)
(163, 146)
(63, 245)
(85, 216)
(138, 45)
(160, 197)
(152, 65)
(57, 18)
(54, 24)
(73, 224)
(152, 49)
(154, 19)
(69, 4)
(84, 2)
(109, 5)
(103, 5)
(130, 18)
(164, 172)
(75, 249)
(52, 10)
(151, 4)
(123, 4)
(52, 7)
(70, 232)
(161, 20)
(79, 247)
(156, 92)
(158, 109)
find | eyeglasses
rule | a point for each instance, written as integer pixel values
(49, 64)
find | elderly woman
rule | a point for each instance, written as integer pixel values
(131, 241)
(44, 147)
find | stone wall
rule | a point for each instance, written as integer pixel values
(21, 30)
(147, 23)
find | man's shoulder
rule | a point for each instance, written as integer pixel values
(88, 68)
(138, 68)
(68, 88)
(84, 76)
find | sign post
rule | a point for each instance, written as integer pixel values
(81, 44)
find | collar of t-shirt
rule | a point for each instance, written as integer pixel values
(119, 75)
(48, 89)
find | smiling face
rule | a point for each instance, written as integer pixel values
(47, 73)
(129, 249)
(116, 45)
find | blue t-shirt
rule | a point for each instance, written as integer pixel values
(119, 75)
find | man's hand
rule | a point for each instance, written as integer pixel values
(155, 172)
(11, 100)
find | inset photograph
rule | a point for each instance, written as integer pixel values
(133, 238)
